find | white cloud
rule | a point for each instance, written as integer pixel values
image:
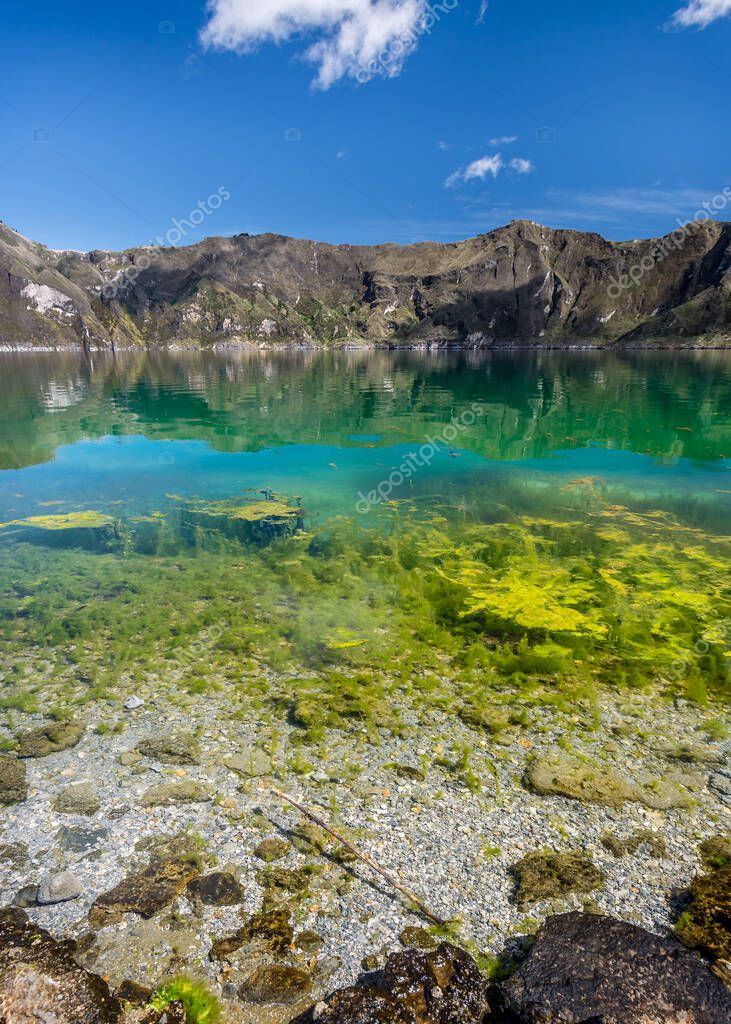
(702, 12)
(347, 38)
(504, 140)
(483, 12)
(488, 165)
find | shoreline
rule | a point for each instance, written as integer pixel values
(247, 347)
(452, 834)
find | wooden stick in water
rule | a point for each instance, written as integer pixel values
(361, 856)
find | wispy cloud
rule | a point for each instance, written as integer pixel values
(347, 36)
(483, 11)
(504, 140)
(701, 13)
(488, 165)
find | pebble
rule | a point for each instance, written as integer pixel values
(59, 888)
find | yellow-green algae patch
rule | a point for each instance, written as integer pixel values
(247, 521)
(90, 520)
(86, 529)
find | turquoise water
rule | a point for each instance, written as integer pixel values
(122, 435)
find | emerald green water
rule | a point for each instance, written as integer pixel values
(575, 513)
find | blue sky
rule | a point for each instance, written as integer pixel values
(120, 118)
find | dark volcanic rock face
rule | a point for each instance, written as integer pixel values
(440, 987)
(523, 283)
(41, 982)
(587, 969)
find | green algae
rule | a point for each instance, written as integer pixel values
(200, 1006)
(423, 610)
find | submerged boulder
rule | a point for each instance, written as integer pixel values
(89, 529)
(144, 892)
(543, 876)
(561, 775)
(443, 986)
(171, 748)
(13, 781)
(585, 968)
(251, 522)
(705, 924)
(219, 889)
(50, 739)
(41, 982)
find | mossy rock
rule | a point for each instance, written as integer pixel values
(561, 775)
(13, 781)
(653, 841)
(91, 530)
(272, 849)
(417, 938)
(269, 932)
(188, 792)
(175, 748)
(663, 795)
(705, 924)
(144, 892)
(219, 889)
(79, 798)
(543, 876)
(50, 739)
(276, 984)
(295, 881)
(716, 852)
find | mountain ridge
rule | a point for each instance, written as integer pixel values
(521, 284)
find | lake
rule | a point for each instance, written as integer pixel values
(513, 510)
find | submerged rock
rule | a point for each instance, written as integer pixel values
(41, 982)
(268, 932)
(653, 841)
(13, 780)
(705, 924)
(586, 968)
(543, 876)
(219, 889)
(50, 739)
(418, 938)
(254, 764)
(272, 849)
(561, 775)
(173, 748)
(59, 888)
(145, 892)
(440, 987)
(716, 852)
(188, 792)
(80, 798)
(14, 854)
(276, 983)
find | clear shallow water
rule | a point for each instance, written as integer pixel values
(573, 510)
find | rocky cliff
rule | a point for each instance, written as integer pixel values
(519, 285)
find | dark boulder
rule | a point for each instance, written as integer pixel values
(443, 986)
(41, 981)
(587, 969)
(144, 892)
